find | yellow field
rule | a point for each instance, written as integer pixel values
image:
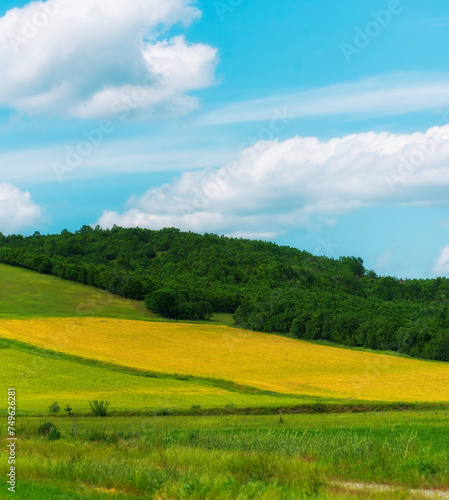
(265, 361)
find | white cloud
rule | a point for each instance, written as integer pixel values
(17, 209)
(372, 97)
(156, 153)
(91, 58)
(441, 266)
(278, 186)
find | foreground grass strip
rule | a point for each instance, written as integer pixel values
(305, 456)
(386, 488)
(267, 362)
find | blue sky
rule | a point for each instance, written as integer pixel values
(321, 125)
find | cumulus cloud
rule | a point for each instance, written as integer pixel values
(95, 58)
(17, 209)
(441, 266)
(278, 186)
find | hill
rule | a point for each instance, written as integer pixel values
(266, 362)
(266, 287)
(25, 294)
(43, 378)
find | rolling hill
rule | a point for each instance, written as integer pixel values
(267, 362)
(266, 287)
(25, 294)
(110, 353)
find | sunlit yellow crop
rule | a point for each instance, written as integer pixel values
(265, 361)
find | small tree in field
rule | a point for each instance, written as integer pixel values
(99, 408)
(68, 409)
(54, 408)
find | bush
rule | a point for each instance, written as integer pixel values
(54, 408)
(99, 408)
(54, 434)
(318, 407)
(44, 429)
(68, 409)
(49, 430)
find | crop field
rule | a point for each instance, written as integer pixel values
(267, 362)
(52, 349)
(378, 456)
(41, 381)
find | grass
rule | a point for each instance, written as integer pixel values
(267, 362)
(27, 294)
(43, 378)
(234, 457)
(61, 341)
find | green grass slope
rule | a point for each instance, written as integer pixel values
(42, 378)
(25, 294)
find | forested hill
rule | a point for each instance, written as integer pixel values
(267, 287)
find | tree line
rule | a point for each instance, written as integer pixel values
(269, 288)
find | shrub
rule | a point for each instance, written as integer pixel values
(49, 430)
(44, 429)
(68, 409)
(54, 408)
(99, 408)
(54, 434)
(318, 407)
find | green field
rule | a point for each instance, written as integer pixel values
(42, 379)
(26, 294)
(174, 436)
(244, 457)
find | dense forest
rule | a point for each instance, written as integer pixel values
(183, 275)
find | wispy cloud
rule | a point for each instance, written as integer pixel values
(119, 156)
(379, 96)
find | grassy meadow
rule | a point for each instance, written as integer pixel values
(267, 362)
(41, 380)
(187, 420)
(238, 457)
(27, 294)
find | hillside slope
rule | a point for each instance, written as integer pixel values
(41, 379)
(268, 362)
(267, 287)
(26, 294)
